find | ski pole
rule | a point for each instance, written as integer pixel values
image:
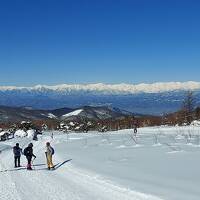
(33, 163)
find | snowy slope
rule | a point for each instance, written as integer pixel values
(67, 182)
(74, 113)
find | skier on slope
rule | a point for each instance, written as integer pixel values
(17, 151)
(28, 152)
(49, 153)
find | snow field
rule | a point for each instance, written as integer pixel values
(159, 163)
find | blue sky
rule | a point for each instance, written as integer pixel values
(89, 41)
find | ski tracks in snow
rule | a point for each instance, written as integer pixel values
(71, 183)
(8, 189)
(67, 182)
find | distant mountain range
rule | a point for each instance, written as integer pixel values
(156, 98)
(18, 114)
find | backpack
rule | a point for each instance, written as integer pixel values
(52, 150)
(26, 151)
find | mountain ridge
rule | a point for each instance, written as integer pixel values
(159, 98)
(17, 114)
(124, 88)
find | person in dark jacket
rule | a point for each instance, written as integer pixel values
(28, 152)
(17, 151)
(136, 125)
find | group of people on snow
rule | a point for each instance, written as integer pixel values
(28, 152)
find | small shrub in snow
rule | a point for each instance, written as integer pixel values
(20, 133)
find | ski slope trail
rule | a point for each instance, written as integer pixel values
(67, 182)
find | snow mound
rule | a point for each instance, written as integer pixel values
(20, 133)
(3, 133)
(30, 133)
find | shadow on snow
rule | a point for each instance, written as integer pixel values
(57, 166)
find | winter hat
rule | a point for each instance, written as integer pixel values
(48, 143)
(30, 145)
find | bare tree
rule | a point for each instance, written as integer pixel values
(197, 113)
(188, 107)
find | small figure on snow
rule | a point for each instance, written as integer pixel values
(135, 127)
(17, 151)
(35, 136)
(28, 152)
(49, 153)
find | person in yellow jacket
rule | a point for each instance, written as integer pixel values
(49, 153)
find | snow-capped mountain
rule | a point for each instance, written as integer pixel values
(155, 98)
(109, 88)
(95, 113)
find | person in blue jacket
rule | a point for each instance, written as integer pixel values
(17, 151)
